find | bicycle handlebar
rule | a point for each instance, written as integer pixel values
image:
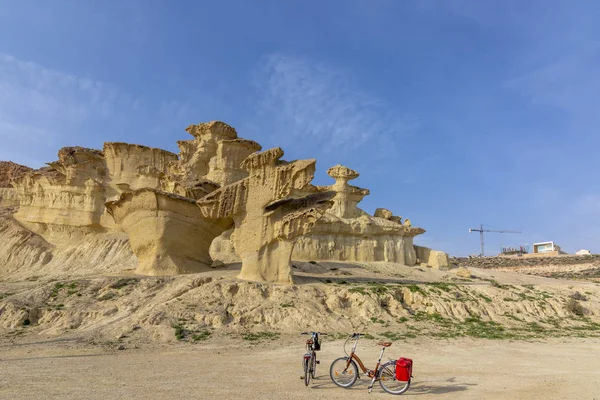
(310, 333)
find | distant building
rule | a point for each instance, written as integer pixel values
(584, 252)
(547, 248)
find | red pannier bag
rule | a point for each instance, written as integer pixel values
(404, 369)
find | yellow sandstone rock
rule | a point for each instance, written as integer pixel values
(167, 233)
(267, 219)
(347, 233)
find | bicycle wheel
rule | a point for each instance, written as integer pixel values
(313, 369)
(307, 364)
(342, 376)
(388, 381)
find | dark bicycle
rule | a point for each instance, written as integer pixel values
(309, 361)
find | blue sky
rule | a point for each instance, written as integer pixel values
(455, 113)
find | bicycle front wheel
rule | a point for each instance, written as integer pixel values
(388, 381)
(313, 369)
(307, 364)
(343, 374)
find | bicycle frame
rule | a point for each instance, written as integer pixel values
(365, 370)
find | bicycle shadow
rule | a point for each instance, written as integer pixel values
(443, 387)
(416, 388)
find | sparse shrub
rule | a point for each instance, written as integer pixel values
(378, 289)
(484, 297)
(358, 289)
(368, 336)
(202, 335)
(528, 286)
(107, 296)
(123, 282)
(180, 332)
(416, 289)
(254, 337)
(578, 296)
(287, 305)
(56, 289)
(574, 307)
(392, 335)
(495, 284)
(446, 287)
(402, 319)
(5, 295)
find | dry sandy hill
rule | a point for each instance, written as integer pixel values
(383, 299)
(87, 287)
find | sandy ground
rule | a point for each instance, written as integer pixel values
(229, 369)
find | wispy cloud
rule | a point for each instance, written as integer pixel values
(319, 103)
(569, 84)
(39, 105)
(42, 109)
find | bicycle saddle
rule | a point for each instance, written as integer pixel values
(385, 344)
(309, 341)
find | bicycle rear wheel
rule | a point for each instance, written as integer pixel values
(341, 375)
(388, 381)
(307, 364)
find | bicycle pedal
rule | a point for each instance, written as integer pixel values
(318, 362)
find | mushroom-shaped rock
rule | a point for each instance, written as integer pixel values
(347, 196)
(347, 233)
(268, 219)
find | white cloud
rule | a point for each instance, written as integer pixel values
(319, 103)
(39, 105)
(42, 110)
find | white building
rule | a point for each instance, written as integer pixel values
(549, 248)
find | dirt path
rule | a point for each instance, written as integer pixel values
(457, 369)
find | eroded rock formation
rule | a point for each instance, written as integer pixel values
(167, 233)
(270, 210)
(150, 192)
(168, 208)
(68, 193)
(347, 233)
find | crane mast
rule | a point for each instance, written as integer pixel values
(481, 230)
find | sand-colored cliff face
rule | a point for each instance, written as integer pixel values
(9, 197)
(347, 233)
(215, 154)
(70, 193)
(135, 166)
